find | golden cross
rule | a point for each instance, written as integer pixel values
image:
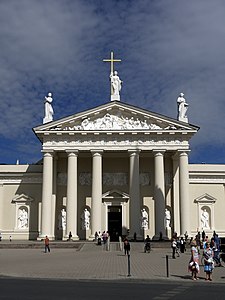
(112, 60)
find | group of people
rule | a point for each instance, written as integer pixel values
(210, 252)
(210, 255)
(178, 245)
(102, 237)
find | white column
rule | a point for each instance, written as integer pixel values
(54, 194)
(184, 193)
(71, 204)
(96, 199)
(46, 214)
(176, 197)
(159, 192)
(134, 191)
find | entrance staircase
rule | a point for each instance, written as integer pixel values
(79, 245)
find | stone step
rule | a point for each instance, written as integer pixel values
(39, 245)
(114, 246)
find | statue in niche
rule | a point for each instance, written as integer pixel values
(62, 220)
(85, 217)
(144, 219)
(116, 83)
(23, 219)
(48, 109)
(205, 219)
(182, 108)
(167, 218)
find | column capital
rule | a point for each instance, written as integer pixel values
(183, 152)
(47, 151)
(72, 152)
(133, 151)
(158, 151)
(96, 152)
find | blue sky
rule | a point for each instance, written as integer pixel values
(166, 47)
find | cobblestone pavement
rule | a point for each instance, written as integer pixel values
(93, 262)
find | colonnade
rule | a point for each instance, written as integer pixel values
(48, 204)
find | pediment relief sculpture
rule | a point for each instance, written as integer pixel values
(113, 122)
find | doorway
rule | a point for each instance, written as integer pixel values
(115, 222)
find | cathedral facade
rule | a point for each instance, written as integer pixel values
(115, 168)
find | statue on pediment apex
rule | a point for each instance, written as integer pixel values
(48, 109)
(116, 85)
(182, 108)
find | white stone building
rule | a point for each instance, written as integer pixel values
(124, 166)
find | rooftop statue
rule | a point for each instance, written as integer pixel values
(48, 109)
(116, 85)
(182, 108)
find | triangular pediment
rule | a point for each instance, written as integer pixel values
(114, 194)
(115, 116)
(22, 198)
(205, 198)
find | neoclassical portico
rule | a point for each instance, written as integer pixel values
(115, 147)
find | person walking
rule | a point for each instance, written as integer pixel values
(182, 245)
(47, 247)
(174, 247)
(126, 247)
(147, 247)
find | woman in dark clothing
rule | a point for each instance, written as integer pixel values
(126, 246)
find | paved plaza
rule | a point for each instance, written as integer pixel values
(92, 262)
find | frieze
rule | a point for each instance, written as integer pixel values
(109, 179)
(129, 140)
(113, 179)
(113, 122)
